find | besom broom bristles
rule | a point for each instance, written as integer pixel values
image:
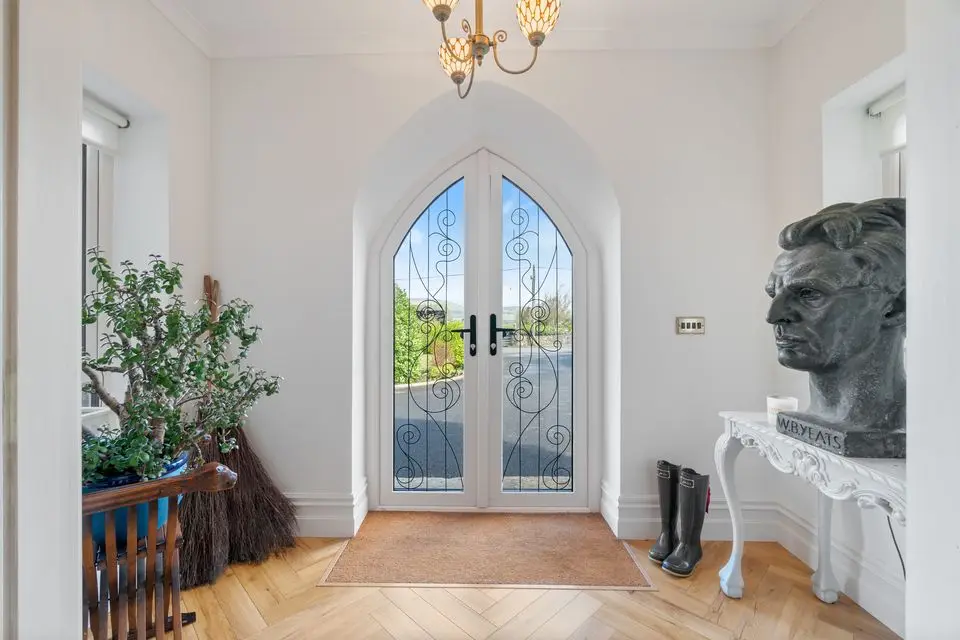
(204, 553)
(261, 519)
(249, 523)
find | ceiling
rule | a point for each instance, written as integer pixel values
(259, 28)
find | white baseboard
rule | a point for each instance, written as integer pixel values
(639, 519)
(874, 587)
(610, 508)
(361, 504)
(328, 514)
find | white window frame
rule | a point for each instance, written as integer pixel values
(99, 159)
(889, 135)
(894, 167)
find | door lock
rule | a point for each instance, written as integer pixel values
(494, 330)
(472, 330)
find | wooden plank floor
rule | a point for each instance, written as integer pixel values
(280, 599)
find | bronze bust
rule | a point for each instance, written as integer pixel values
(838, 309)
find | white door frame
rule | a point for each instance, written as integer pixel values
(481, 171)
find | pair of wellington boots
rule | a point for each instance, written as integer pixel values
(684, 501)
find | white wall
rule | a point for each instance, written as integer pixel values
(293, 142)
(933, 112)
(685, 143)
(141, 214)
(836, 45)
(48, 282)
(127, 49)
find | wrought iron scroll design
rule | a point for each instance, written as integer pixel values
(533, 381)
(428, 335)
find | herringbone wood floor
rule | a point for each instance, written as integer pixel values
(280, 599)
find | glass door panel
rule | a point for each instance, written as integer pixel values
(428, 349)
(537, 349)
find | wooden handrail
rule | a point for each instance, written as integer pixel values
(210, 477)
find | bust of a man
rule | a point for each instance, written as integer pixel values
(838, 309)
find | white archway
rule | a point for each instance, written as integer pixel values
(552, 154)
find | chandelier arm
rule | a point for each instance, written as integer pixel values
(501, 36)
(464, 94)
(446, 44)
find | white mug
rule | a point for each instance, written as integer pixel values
(776, 404)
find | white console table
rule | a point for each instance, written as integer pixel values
(872, 483)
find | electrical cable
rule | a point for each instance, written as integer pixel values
(897, 547)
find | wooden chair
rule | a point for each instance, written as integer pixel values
(130, 600)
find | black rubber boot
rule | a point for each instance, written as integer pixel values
(693, 494)
(668, 476)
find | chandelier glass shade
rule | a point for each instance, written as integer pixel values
(537, 18)
(442, 7)
(460, 57)
(455, 59)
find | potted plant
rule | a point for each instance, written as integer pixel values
(182, 374)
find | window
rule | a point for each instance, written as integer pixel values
(96, 210)
(890, 139)
(894, 165)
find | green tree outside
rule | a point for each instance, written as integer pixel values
(423, 350)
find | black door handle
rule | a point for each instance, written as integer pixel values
(473, 334)
(494, 330)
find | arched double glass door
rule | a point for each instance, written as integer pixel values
(481, 347)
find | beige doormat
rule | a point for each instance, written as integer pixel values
(514, 550)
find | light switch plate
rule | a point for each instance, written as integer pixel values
(690, 325)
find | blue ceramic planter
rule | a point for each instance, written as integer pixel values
(175, 468)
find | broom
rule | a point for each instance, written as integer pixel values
(261, 519)
(249, 523)
(204, 551)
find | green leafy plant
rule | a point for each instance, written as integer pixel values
(423, 350)
(446, 350)
(408, 339)
(184, 372)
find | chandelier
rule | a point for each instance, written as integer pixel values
(460, 57)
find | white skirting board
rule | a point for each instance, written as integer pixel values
(878, 589)
(330, 515)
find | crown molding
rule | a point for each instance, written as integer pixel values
(677, 35)
(661, 37)
(187, 24)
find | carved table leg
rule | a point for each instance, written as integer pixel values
(725, 455)
(825, 585)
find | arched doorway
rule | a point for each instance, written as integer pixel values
(483, 337)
